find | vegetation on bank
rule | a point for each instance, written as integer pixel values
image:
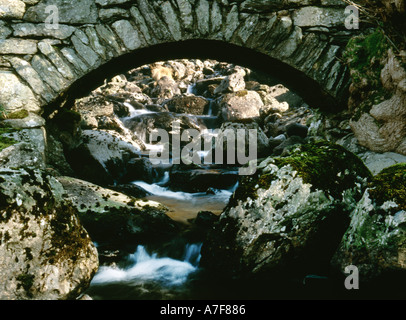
(365, 55)
(390, 184)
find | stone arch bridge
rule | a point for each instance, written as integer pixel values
(51, 49)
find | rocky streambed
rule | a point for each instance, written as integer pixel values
(85, 210)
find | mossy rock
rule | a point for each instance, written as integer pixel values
(6, 142)
(390, 185)
(324, 165)
(375, 241)
(290, 215)
(18, 114)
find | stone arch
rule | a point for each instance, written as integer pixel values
(43, 63)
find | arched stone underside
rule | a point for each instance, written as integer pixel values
(41, 65)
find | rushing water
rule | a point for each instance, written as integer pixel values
(146, 275)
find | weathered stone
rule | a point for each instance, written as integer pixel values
(216, 17)
(108, 36)
(49, 74)
(171, 20)
(113, 14)
(142, 26)
(71, 56)
(95, 43)
(203, 16)
(62, 67)
(127, 34)
(28, 73)
(199, 180)
(18, 46)
(26, 121)
(231, 23)
(80, 12)
(41, 30)
(315, 16)
(151, 18)
(85, 52)
(15, 95)
(105, 3)
(4, 30)
(29, 151)
(376, 162)
(45, 252)
(11, 9)
(252, 134)
(287, 47)
(186, 14)
(248, 28)
(102, 156)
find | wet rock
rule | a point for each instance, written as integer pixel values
(276, 141)
(290, 215)
(286, 145)
(297, 129)
(131, 190)
(45, 252)
(200, 180)
(139, 169)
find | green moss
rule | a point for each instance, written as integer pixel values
(365, 55)
(390, 184)
(364, 51)
(6, 142)
(326, 166)
(18, 114)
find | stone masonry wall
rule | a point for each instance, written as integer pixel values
(47, 45)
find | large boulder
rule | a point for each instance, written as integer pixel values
(240, 105)
(115, 220)
(45, 252)
(375, 241)
(102, 156)
(290, 215)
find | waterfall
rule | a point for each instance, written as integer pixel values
(147, 267)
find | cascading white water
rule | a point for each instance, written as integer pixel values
(146, 267)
